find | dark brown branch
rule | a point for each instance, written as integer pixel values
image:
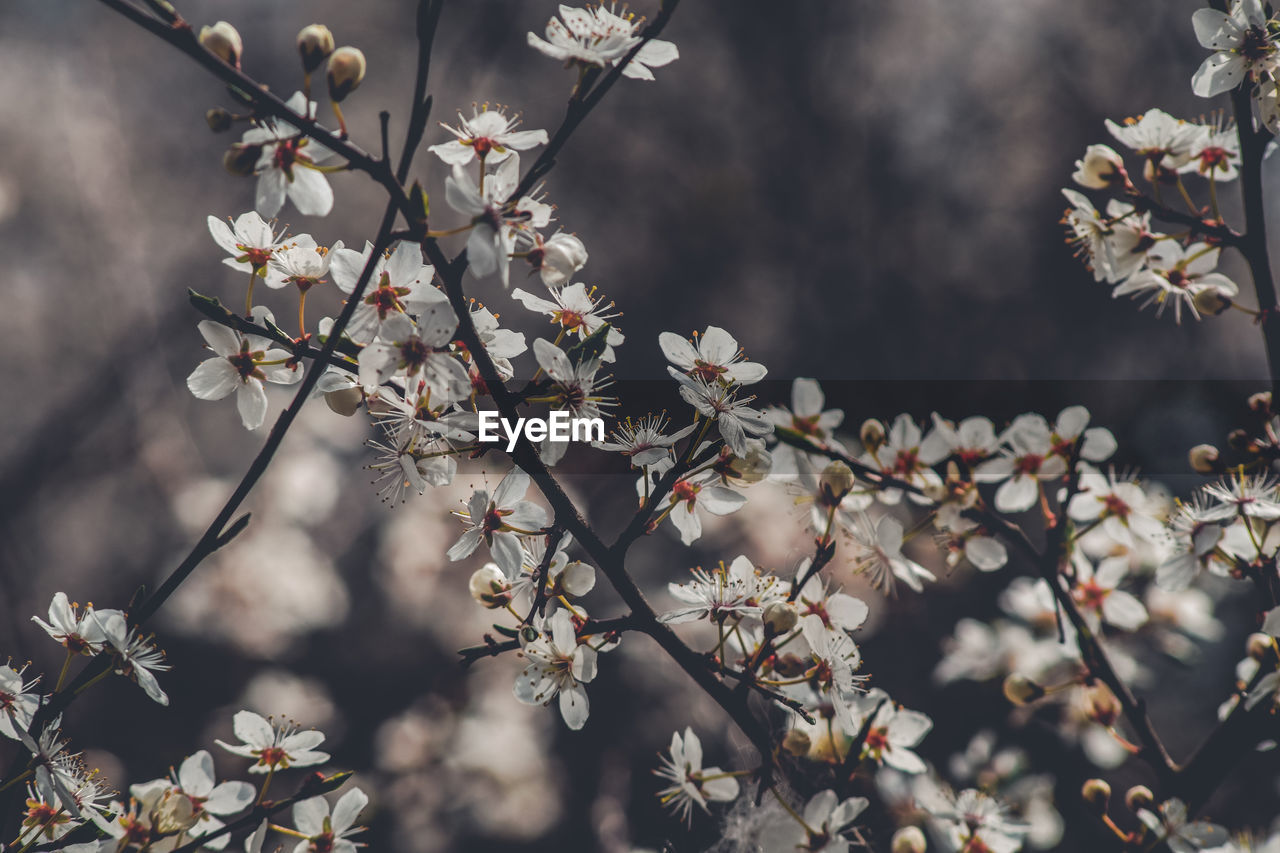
(428, 21)
(1198, 225)
(553, 539)
(491, 648)
(1253, 243)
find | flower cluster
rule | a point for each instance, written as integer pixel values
(1123, 568)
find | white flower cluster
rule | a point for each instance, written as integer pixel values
(1121, 562)
(67, 802)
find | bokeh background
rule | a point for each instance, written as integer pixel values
(862, 192)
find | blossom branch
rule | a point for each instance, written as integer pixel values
(582, 102)
(1219, 232)
(1253, 243)
(1092, 652)
(180, 35)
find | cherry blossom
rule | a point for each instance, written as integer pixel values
(691, 784)
(490, 135)
(1243, 46)
(275, 744)
(713, 356)
(891, 732)
(80, 633)
(558, 666)
(878, 546)
(136, 656)
(325, 831)
(242, 365)
(825, 820)
(287, 164)
(498, 521)
(400, 284)
(577, 311)
(597, 36)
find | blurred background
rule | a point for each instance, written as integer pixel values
(862, 192)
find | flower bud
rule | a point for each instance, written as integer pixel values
(753, 467)
(315, 43)
(836, 481)
(1101, 705)
(489, 586)
(1258, 646)
(909, 839)
(872, 434)
(1238, 439)
(346, 70)
(1096, 793)
(796, 743)
(790, 665)
(1139, 797)
(780, 617)
(936, 492)
(558, 259)
(1260, 403)
(241, 160)
(1020, 690)
(1211, 301)
(1100, 168)
(223, 41)
(170, 812)
(1203, 458)
(344, 401)
(218, 119)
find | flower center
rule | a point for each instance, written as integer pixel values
(273, 756)
(685, 492)
(1113, 505)
(707, 372)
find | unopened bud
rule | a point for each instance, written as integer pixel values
(241, 160)
(872, 434)
(1211, 301)
(219, 120)
(223, 41)
(1096, 793)
(1203, 458)
(489, 586)
(1258, 646)
(1021, 690)
(935, 491)
(174, 813)
(780, 617)
(753, 467)
(790, 666)
(1238, 439)
(1101, 705)
(909, 839)
(837, 480)
(346, 70)
(1260, 403)
(796, 742)
(344, 401)
(1139, 797)
(315, 43)
(1100, 168)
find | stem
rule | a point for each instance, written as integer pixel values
(66, 664)
(248, 294)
